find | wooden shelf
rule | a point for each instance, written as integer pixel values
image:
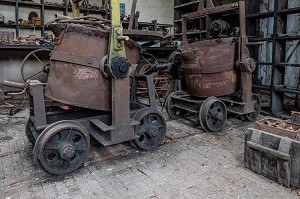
(42, 7)
(29, 4)
(186, 5)
(8, 25)
(289, 11)
(8, 2)
(183, 7)
(260, 15)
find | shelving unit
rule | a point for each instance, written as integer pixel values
(40, 8)
(199, 23)
(183, 7)
(278, 43)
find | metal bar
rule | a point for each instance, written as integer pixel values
(205, 11)
(120, 102)
(269, 151)
(184, 30)
(37, 93)
(277, 73)
(75, 8)
(132, 14)
(246, 77)
(13, 84)
(17, 19)
(151, 91)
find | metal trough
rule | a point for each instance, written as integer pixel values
(273, 156)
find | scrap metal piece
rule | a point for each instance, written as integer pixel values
(295, 117)
(219, 28)
(279, 127)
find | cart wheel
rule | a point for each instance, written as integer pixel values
(28, 132)
(151, 130)
(257, 108)
(62, 147)
(212, 114)
(173, 112)
(28, 72)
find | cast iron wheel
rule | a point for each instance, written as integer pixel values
(257, 108)
(28, 132)
(212, 114)
(173, 112)
(151, 130)
(62, 147)
(28, 72)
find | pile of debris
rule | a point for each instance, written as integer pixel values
(279, 124)
(279, 127)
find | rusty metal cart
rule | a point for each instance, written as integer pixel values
(88, 94)
(218, 70)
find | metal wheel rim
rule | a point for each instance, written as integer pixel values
(57, 138)
(144, 69)
(151, 122)
(201, 111)
(212, 114)
(25, 60)
(170, 110)
(257, 108)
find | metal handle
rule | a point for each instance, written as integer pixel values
(272, 152)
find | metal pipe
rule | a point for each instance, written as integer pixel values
(13, 84)
(11, 117)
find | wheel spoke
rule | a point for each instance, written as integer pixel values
(38, 59)
(69, 135)
(160, 126)
(80, 148)
(146, 120)
(33, 75)
(52, 148)
(215, 107)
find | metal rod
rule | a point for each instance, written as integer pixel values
(13, 117)
(132, 14)
(13, 84)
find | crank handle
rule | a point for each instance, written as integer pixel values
(123, 38)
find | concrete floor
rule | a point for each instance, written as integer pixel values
(190, 164)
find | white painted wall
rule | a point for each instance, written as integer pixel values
(161, 10)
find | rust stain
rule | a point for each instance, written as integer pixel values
(75, 66)
(86, 73)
